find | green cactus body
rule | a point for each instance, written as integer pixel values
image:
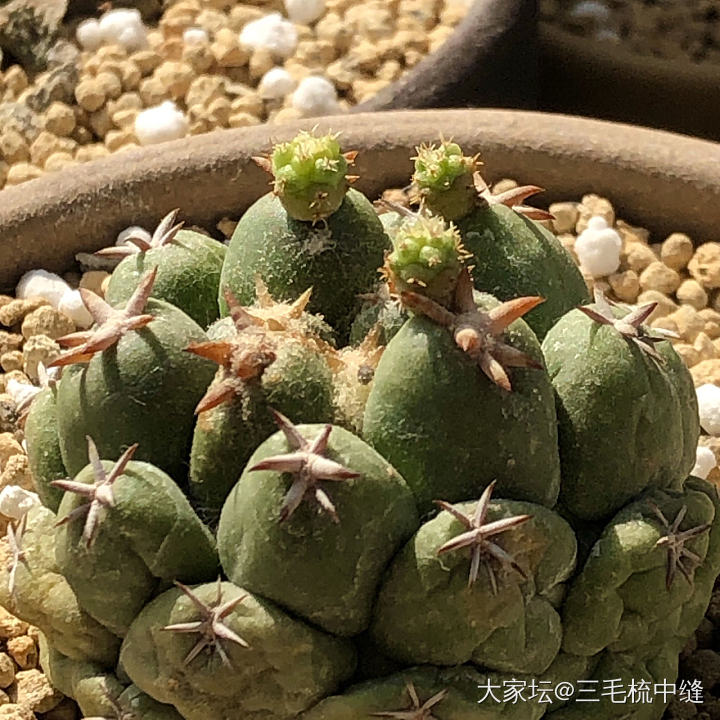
(626, 576)
(143, 389)
(427, 613)
(514, 256)
(297, 383)
(44, 598)
(380, 311)
(626, 421)
(43, 447)
(287, 667)
(142, 707)
(150, 537)
(326, 572)
(88, 683)
(450, 431)
(188, 275)
(338, 258)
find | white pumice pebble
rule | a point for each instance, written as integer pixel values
(89, 35)
(272, 32)
(705, 462)
(598, 248)
(590, 10)
(16, 502)
(315, 95)
(135, 231)
(71, 304)
(21, 392)
(125, 27)
(195, 36)
(41, 283)
(276, 83)
(304, 12)
(161, 123)
(708, 396)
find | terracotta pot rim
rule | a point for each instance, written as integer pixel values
(663, 181)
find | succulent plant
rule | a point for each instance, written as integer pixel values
(311, 231)
(512, 253)
(188, 269)
(258, 520)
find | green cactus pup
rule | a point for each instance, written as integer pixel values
(269, 357)
(217, 651)
(310, 232)
(188, 263)
(321, 560)
(139, 533)
(432, 609)
(640, 573)
(136, 382)
(33, 588)
(43, 443)
(513, 254)
(444, 412)
(627, 410)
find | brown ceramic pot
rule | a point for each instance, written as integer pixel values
(583, 77)
(664, 182)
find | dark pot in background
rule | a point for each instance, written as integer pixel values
(662, 181)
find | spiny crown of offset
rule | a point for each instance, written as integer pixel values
(163, 235)
(680, 558)
(477, 538)
(100, 494)
(308, 464)
(252, 349)
(110, 324)
(211, 626)
(478, 332)
(630, 326)
(417, 710)
(437, 167)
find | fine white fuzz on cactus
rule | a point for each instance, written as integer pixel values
(705, 462)
(125, 27)
(315, 96)
(272, 32)
(276, 83)
(305, 12)
(43, 284)
(598, 248)
(708, 396)
(161, 123)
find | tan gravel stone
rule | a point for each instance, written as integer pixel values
(691, 292)
(34, 690)
(677, 250)
(39, 349)
(705, 265)
(7, 670)
(625, 285)
(12, 360)
(707, 371)
(16, 310)
(48, 321)
(658, 276)
(638, 256)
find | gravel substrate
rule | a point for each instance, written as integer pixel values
(202, 65)
(673, 29)
(681, 273)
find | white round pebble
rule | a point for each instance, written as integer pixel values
(272, 32)
(590, 10)
(598, 248)
(15, 502)
(21, 392)
(315, 95)
(161, 123)
(705, 462)
(89, 35)
(125, 27)
(71, 304)
(304, 12)
(195, 36)
(708, 396)
(133, 231)
(276, 83)
(41, 283)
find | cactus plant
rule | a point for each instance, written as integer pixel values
(448, 507)
(512, 252)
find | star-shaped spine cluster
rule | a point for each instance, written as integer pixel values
(417, 710)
